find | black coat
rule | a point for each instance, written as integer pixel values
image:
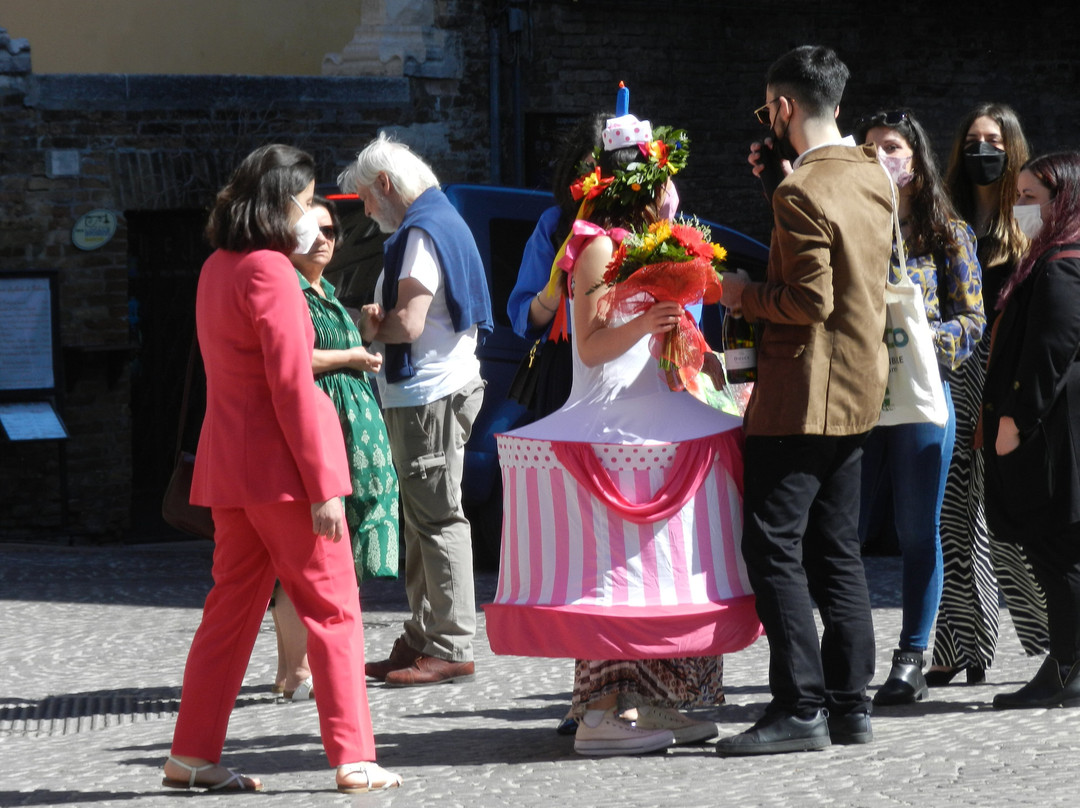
(1033, 376)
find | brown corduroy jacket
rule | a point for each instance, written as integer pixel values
(822, 361)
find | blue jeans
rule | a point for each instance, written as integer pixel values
(911, 461)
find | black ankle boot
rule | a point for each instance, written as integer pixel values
(906, 683)
(1045, 690)
(1070, 693)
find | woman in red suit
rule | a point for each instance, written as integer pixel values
(271, 464)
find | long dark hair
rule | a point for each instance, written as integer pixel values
(931, 211)
(252, 212)
(1060, 173)
(580, 141)
(1002, 229)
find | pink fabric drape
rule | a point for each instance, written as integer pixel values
(614, 632)
(693, 461)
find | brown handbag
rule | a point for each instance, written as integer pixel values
(176, 507)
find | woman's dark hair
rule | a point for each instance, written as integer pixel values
(932, 213)
(1060, 173)
(331, 208)
(579, 142)
(1002, 229)
(252, 212)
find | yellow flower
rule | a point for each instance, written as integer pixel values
(661, 229)
(719, 253)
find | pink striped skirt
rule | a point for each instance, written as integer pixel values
(613, 551)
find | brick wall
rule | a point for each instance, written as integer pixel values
(164, 143)
(700, 64)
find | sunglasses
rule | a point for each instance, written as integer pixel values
(328, 232)
(891, 118)
(764, 112)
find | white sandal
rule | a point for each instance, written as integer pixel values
(368, 768)
(304, 691)
(234, 782)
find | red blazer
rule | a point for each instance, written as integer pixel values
(270, 435)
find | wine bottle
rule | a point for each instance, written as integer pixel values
(740, 349)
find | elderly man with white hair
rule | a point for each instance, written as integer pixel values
(431, 306)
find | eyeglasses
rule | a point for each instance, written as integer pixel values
(764, 113)
(893, 117)
(328, 232)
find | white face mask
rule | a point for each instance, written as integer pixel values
(1028, 219)
(306, 229)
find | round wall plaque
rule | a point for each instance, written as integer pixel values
(94, 229)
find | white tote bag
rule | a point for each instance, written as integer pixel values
(914, 393)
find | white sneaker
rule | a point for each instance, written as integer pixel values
(602, 732)
(683, 727)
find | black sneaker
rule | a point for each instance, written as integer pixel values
(850, 728)
(776, 733)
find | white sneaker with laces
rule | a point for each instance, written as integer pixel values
(602, 732)
(683, 727)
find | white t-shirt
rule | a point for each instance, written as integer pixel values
(444, 360)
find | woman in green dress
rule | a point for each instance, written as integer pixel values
(340, 363)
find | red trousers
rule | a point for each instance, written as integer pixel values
(253, 546)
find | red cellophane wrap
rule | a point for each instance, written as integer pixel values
(680, 351)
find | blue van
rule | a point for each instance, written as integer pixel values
(501, 220)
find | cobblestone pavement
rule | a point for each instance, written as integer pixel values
(94, 642)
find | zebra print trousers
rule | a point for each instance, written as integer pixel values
(976, 564)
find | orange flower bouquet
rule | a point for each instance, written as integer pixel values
(669, 261)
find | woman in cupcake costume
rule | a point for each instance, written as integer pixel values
(623, 508)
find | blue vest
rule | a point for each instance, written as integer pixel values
(466, 287)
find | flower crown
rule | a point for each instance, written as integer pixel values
(637, 182)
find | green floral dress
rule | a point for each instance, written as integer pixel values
(372, 508)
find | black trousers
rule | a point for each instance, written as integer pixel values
(801, 545)
(1056, 562)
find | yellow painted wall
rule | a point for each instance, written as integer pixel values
(245, 37)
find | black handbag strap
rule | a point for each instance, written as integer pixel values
(187, 394)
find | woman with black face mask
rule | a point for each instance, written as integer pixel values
(986, 157)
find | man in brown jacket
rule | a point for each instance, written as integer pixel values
(822, 368)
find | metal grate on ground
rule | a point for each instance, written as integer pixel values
(66, 715)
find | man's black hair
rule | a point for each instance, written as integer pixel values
(813, 75)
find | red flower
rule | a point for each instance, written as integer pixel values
(590, 185)
(692, 241)
(613, 266)
(658, 150)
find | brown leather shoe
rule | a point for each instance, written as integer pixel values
(402, 655)
(428, 670)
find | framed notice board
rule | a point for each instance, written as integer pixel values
(30, 389)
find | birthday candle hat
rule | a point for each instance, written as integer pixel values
(663, 154)
(625, 129)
